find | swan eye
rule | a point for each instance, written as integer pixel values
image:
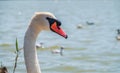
(58, 23)
(52, 20)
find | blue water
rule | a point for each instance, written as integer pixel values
(92, 49)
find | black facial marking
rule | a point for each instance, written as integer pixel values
(51, 21)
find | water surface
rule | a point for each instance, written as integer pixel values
(92, 49)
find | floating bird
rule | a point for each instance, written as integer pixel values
(90, 23)
(40, 21)
(3, 70)
(118, 34)
(118, 37)
(79, 26)
(118, 31)
(58, 51)
(39, 45)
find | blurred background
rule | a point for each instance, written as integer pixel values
(91, 26)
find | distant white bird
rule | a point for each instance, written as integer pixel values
(39, 45)
(118, 34)
(79, 26)
(118, 37)
(58, 51)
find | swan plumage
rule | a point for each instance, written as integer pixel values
(40, 21)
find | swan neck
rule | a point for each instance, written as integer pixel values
(30, 53)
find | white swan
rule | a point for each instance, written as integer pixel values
(79, 26)
(58, 51)
(39, 45)
(40, 21)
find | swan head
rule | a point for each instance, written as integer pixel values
(46, 21)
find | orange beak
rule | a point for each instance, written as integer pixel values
(54, 27)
